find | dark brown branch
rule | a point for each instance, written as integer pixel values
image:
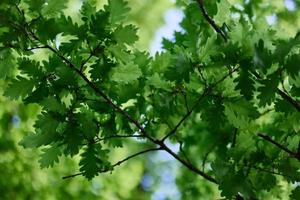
(118, 163)
(269, 139)
(206, 92)
(210, 20)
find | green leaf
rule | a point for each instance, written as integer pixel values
(126, 73)
(120, 52)
(93, 161)
(267, 91)
(29, 141)
(295, 195)
(20, 87)
(283, 106)
(223, 12)
(35, 5)
(181, 67)
(99, 24)
(7, 65)
(292, 65)
(126, 34)
(158, 82)
(87, 10)
(53, 7)
(240, 113)
(73, 138)
(30, 67)
(285, 47)
(263, 58)
(264, 181)
(118, 10)
(245, 84)
(50, 156)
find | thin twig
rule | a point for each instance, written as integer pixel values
(118, 163)
(202, 76)
(200, 98)
(269, 139)
(207, 154)
(92, 53)
(182, 150)
(270, 171)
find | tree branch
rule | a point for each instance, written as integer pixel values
(289, 99)
(92, 53)
(269, 171)
(206, 92)
(269, 139)
(119, 162)
(210, 20)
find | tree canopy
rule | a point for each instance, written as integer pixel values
(226, 90)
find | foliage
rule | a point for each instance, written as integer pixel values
(226, 89)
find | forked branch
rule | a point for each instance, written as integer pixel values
(205, 93)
